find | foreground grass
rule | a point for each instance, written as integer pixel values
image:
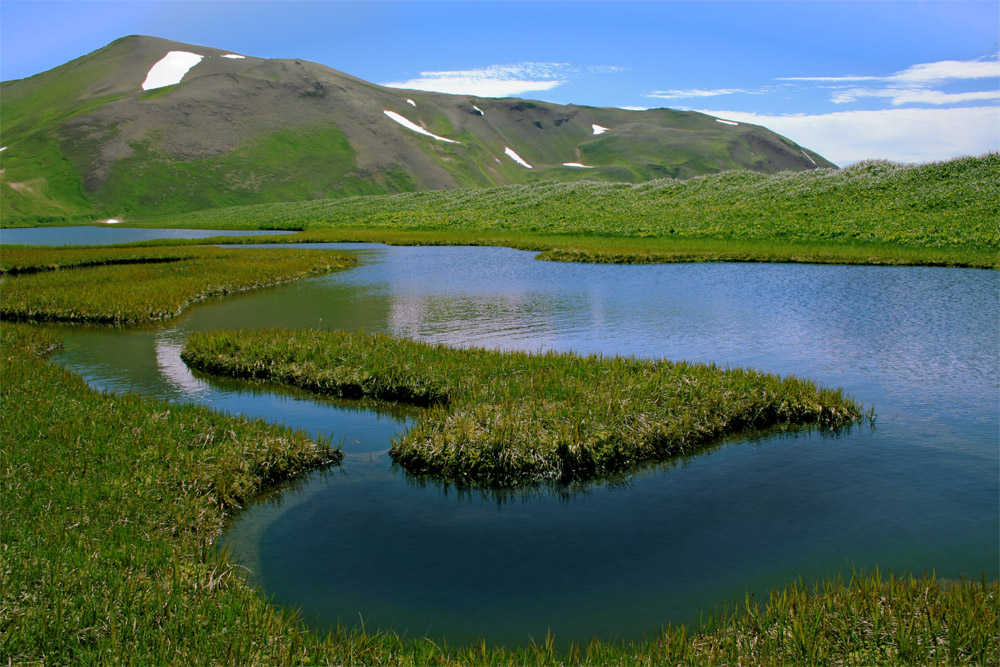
(505, 418)
(941, 213)
(111, 503)
(140, 285)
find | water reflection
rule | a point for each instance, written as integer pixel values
(659, 544)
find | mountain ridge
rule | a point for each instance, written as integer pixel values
(86, 138)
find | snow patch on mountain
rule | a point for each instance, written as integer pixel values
(807, 156)
(411, 102)
(727, 122)
(170, 69)
(599, 129)
(416, 128)
(234, 56)
(577, 165)
(478, 110)
(515, 157)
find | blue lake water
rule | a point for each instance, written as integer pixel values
(366, 540)
(91, 235)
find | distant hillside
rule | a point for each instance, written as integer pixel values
(86, 138)
(955, 203)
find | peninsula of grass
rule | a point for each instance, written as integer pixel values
(111, 505)
(942, 213)
(507, 418)
(123, 286)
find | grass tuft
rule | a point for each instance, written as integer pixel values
(507, 418)
(124, 286)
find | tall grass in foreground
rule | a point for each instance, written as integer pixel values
(506, 418)
(111, 503)
(109, 506)
(127, 286)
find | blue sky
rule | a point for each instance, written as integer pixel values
(908, 81)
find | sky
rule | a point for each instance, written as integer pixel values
(853, 80)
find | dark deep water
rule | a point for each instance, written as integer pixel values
(919, 492)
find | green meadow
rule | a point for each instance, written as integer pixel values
(876, 212)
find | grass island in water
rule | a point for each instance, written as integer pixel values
(506, 418)
(111, 504)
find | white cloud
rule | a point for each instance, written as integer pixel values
(502, 80)
(493, 81)
(901, 135)
(916, 84)
(914, 95)
(927, 73)
(694, 92)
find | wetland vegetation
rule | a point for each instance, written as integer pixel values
(113, 502)
(507, 418)
(140, 285)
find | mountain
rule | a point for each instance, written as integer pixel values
(147, 125)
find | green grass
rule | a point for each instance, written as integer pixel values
(110, 506)
(875, 212)
(112, 503)
(128, 286)
(509, 418)
(289, 165)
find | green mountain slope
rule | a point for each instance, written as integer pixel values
(85, 139)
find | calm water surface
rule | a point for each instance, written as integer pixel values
(90, 235)
(365, 540)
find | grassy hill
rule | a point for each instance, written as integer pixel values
(947, 207)
(85, 140)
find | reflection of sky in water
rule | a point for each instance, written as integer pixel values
(920, 491)
(175, 371)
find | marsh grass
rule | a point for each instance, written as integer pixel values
(111, 504)
(137, 285)
(508, 418)
(17, 259)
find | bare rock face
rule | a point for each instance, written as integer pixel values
(233, 129)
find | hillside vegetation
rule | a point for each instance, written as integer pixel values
(873, 212)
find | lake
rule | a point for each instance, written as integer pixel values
(918, 492)
(91, 235)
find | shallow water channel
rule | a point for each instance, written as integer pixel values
(919, 492)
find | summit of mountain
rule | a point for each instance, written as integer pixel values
(146, 125)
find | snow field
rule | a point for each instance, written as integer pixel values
(414, 127)
(170, 69)
(515, 157)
